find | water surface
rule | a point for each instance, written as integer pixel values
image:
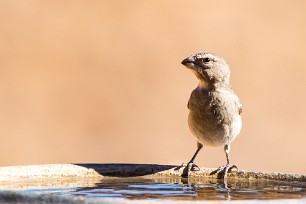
(182, 189)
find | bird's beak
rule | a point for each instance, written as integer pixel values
(188, 60)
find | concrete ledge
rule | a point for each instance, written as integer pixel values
(98, 171)
(49, 171)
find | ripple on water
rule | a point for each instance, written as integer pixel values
(131, 188)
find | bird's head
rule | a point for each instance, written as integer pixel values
(211, 70)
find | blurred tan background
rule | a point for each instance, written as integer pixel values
(101, 81)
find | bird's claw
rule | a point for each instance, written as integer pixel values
(188, 168)
(227, 167)
(195, 167)
(224, 170)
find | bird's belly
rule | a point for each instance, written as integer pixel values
(212, 132)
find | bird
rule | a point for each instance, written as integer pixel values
(214, 109)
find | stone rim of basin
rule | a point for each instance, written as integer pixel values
(59, 171)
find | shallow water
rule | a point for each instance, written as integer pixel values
(182, 189)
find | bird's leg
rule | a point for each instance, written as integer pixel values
(228, 167)
(191, 166)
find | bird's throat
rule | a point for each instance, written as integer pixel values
(203, 84)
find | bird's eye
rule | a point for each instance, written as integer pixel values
(206, 60)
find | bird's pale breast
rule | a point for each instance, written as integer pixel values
(214, 116)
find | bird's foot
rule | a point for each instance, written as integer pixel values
(223, 170)
(188, 168)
